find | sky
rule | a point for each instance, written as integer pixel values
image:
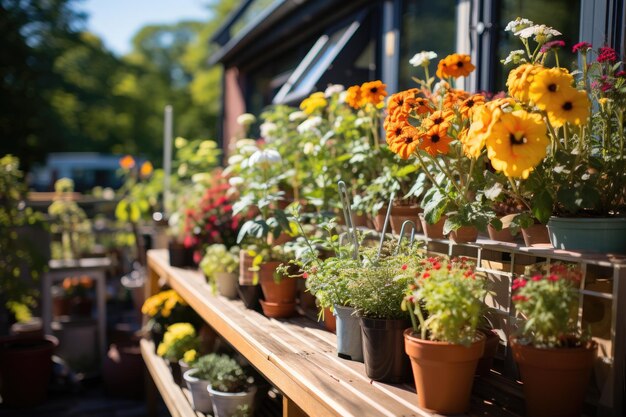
(117, 21)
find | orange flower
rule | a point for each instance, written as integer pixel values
(471, 103)
(146, 169)
(421, 106)
(454, 97)
(127, 162)
(440, 117)
(455, 66)
(394, 130)
(436, 140)
(404, 144)
(373, 92)
(353, 97)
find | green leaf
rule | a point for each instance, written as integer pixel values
(542, 205)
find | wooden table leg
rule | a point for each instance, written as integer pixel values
(291, 409)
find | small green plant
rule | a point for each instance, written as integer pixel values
(205, 366)
(178, 339)
(548, 302)
(218, 258)
(446, 297)
(69, 221)
(228, 375)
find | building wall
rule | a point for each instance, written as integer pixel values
(234, 105)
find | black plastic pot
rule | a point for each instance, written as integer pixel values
(180, 256)
(250, 294)
(383, 350)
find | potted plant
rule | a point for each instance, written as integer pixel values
(188, 360)
(75, 297)
(198, 379)
(555, 359)
(163, 309)
(178, 339)
(219, 265)
(568, 129)
(431, 124)
(445, 300)
(231, 390)
(376, 290)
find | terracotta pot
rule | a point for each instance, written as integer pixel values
(555, 380)
(306, 300)
(25, 370)
(444, 372)
(433, 231)
(465, 234)
(383, 349)
(360, 220)
(503, 235)
(280, 240)
(401, 213)
(379, 220)
(246, 277)
(276, 292)
(278, 310)
(536, 235)
(492, 341)
(60, 306)
(330, 321)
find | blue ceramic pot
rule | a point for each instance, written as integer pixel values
(604, 235)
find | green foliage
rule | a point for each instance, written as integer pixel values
(447, 298)
(227, 375)
(218, 258)
(205, 366)
(548, 302)
(69, 221)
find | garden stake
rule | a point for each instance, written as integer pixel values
(382, 233)
(347, 214)
(411, 238)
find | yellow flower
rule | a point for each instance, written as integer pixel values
(519, 80)
(313, 102)
(573, 108)
(517, 143)
(373, 92)
(483, 118)
(162, 349)
(190, 356)
(548, 86)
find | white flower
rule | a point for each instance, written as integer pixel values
(309, 124)
(297, 116)
(541, 33)
(263, 159)
(362, 121)
(308, 148)
(333, 89)
(201, 178)
(422, 59)
(248, 149)
(235, 159)
(246, 119)
(245, 142)
(518, 24)
(441, 87)
(515, 57)
(267, 129)
(235, 181)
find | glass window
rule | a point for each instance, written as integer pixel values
(426, 25)
(252, 12)
(563, 15)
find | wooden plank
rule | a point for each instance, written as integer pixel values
(175, 400)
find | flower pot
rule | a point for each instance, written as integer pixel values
(278, 310)
(503, 235)
(25, 370)
(246, 277)
(492, 341)
(401, 213)
(379, 220)
(184, 367)
(349, 340)
(383, 349)
(555, 380)
(433, 231)
(176, 373)
(444, 372)
(330, 321)
(306, 300)
(180, 256)
(225, 404)
(464, 234)
(276, 292)
(123, 371)
(226, 284)
(536, 235)
(605, 235)
(250, 295)
(60, 306)
(200, 398)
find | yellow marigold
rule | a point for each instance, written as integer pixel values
(127, 162)
(455, 66)
(548, 86)
(517, 143)
(314, 102)
(146, 169)
(353, 97)
(404, 144)
(519, 79)
(190, 356)
(574, 108)
(373, 92)
(162, 349)
(436, 140)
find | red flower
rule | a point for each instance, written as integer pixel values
(581, 46)
(552, 45)
(426, 275)
(553, 278)
(437, 266)
(404, 267)
(519, 298)
(620, 73)
(518, 283)
(607, 54)
(537, 278)
(305, 275)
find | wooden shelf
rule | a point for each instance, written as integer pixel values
(296, 355)
(176, 399)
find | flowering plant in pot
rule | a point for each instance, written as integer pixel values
(559, 144)
(220, 265)
(554, 357)
(230, 388)
(178, 339)
(430, 124)
(75, 297)
(445, 301)
(165, 308)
